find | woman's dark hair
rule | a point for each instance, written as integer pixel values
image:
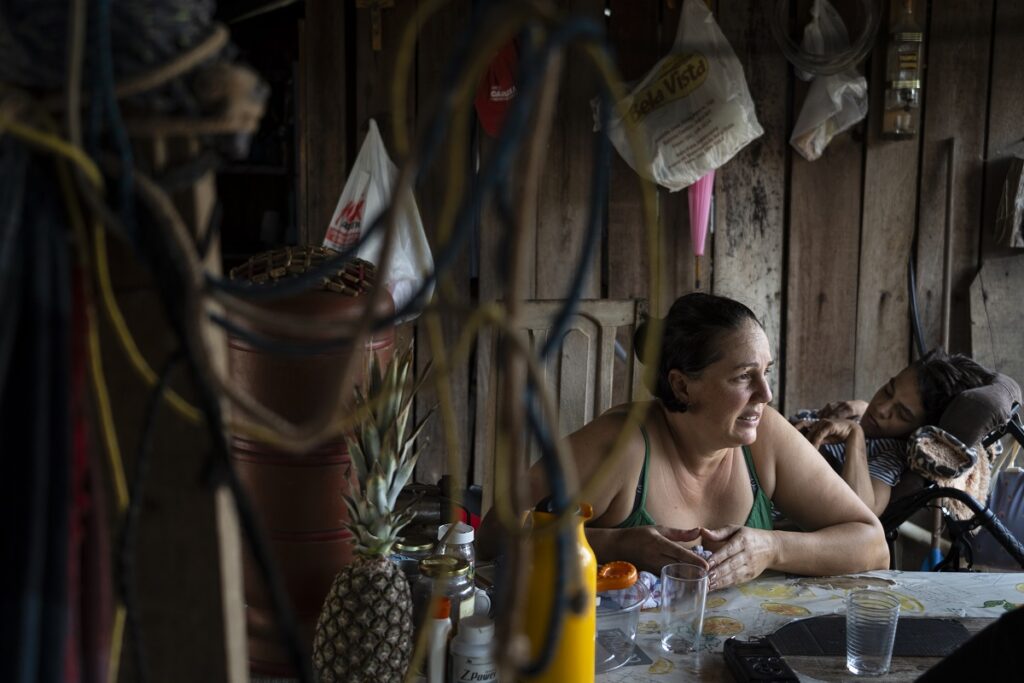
(941, 378)
(689, 342)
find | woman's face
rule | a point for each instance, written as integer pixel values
(896, 409)
(730, 395)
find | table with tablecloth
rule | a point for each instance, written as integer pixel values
(773, 600)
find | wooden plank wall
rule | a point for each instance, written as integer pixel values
(818, 249)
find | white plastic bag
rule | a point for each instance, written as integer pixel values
(366, 195)
(693, 110)
(834, 103)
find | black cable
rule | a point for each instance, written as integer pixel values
(127, 578)
(584, 30)
(13, 158)
(55, 243)
(915, 320)
(429, 145)
(169, 266)
(598, 192)
(221, 471)
(35, 425)
(493, 174)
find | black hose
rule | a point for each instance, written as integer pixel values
(127, 579)
(915, 318)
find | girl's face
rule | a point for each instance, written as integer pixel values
(729, 397)
(896, 409)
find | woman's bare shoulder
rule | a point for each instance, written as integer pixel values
(595, 440)
(776, 433)
(606, 426)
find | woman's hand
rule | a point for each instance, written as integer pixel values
(830, 431)
(648, 547)
(843, 410)
(740, 554)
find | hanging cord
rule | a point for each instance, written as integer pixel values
(126, 551)
(915, 319)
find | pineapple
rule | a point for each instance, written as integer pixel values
(365, 630)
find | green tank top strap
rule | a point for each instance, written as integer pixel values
(760, 516)
(639, 516)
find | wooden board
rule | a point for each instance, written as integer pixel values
(997, 318)
(955, 98)
(633, 34)
(887, 232)
(750, 189)
(321, 117)
(1005, 105)
(564, 191)
(433, 54)
(824, 234)
(375, 73)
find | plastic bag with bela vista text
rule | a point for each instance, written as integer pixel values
(693, 110)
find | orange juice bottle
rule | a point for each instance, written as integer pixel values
(572, 660)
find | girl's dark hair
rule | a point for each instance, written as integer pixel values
(690, 334)
(941, 378)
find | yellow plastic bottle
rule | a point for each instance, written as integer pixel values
(573, 658)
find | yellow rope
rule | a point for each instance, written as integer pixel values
(124, 335)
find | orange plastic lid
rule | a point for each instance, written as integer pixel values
(616, 576)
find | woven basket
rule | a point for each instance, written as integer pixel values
(353, 278)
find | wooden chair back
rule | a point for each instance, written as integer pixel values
(586, 373)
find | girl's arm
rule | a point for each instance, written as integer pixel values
(873, 492)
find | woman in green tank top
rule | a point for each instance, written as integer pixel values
(708, 459)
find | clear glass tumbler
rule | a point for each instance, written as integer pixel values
(871, 617)
(684, 591)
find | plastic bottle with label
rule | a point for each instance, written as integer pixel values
(437, 653)
(472, 654)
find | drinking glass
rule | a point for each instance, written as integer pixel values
(871, 617)
(684, 591)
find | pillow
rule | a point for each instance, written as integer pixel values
(976, 412)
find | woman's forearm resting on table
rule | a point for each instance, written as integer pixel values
(838, 549)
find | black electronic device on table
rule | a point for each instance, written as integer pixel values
(756, 660)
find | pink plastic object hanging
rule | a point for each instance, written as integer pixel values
(700, 194)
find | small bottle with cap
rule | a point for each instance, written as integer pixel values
(457, 540)
(437, 652)
(472, 653)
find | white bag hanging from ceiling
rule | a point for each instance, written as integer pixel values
(833, 103)
(693, 111)
(366, 195)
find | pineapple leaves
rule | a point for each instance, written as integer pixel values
(383, 452)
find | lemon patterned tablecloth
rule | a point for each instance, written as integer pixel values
(773, 600)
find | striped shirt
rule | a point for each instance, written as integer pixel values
(887, 458)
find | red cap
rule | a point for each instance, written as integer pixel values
(497, 89)
(444, 608)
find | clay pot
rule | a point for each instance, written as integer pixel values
(297, 497)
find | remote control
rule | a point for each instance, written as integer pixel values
(756, 660)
